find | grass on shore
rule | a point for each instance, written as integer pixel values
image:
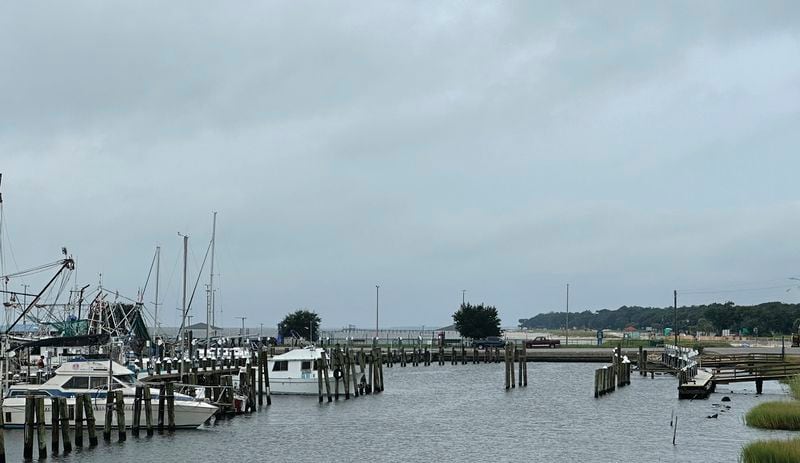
(775, 415)
(794, 386)
(772, 451)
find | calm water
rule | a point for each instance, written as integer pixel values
(462, 413)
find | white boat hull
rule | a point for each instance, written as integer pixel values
(188, 414)
(281, 386)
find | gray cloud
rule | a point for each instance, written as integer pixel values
(506, 148)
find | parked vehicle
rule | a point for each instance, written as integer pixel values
(489, 341)
(541, 341)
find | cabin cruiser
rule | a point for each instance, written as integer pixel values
(80, 376)
(295, 372)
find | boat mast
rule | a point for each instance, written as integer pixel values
(183, 311)
(210, 308)
(155, 303)
(5, 295)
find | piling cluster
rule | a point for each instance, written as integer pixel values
(609, 378)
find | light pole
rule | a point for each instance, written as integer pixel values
(675, 303)
(243, 319)
(261, 331)
(377, 301)
(566, 340)
(463, 296)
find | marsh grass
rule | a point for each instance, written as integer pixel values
(775, 415)
(772, 451)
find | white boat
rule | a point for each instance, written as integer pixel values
(295, 372)
(91, 376)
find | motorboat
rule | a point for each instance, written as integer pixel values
(295, 372)
(81, 376)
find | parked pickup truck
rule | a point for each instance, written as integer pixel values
(490, 341)
(541, 341)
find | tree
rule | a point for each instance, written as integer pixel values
(477, 321)
(299, 322)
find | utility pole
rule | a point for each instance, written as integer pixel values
(377, 298)
(243, 319)
(675, 326)
(566, 341)
(463, 296)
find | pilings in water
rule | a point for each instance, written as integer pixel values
(90, 421)
(148, 410)
(55, 425)
(608, 379)
(41, 437)
(64, 417)
(78, 420)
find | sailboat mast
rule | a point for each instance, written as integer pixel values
(155, 317)
(210, 309)
(183, 311)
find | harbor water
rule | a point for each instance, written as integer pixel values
(462, 413)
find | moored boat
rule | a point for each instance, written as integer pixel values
(92, 377)
(295, 372)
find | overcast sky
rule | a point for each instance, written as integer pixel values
(505, 148)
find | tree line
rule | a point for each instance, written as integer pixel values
(769, 318)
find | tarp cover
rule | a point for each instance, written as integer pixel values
(68, 341)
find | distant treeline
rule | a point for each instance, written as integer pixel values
(769, 318)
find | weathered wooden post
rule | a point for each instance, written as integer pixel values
(54, 425)
(171, 406)
(148, 410)
(78, 420)
(41, 422)
(353, 374)
(261, 354)
(90, 421)
(319, 379)
(162, 398)
(121, 416)
(109, 416)
(266, 378)
(27, 444)
(64, 416)
(137, 411)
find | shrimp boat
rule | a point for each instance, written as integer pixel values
(295, 372)
(92, 377)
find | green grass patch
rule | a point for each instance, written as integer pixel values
(772, 451)
(794, 386)
(775, 415)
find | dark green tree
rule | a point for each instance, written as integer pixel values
(301, 322)
(477, 321)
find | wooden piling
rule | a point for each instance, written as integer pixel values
(266, 378)
(78, 420)
(90, 421)
(121, 416)
(162, 399)
(27, 444)
(137, 411)
(64, 416)
(353, 374)
(148, 410)
(41, 422)
(54, 425)
(109, 416)
(319, 379)
(171, 406)
(260, 377)
(344, 362)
